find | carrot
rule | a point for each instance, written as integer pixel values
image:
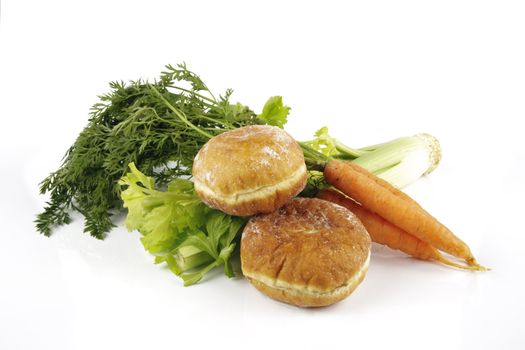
(383, 232)
(396, 207)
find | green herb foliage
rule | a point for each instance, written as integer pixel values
(159, 126)
(274, 112)
(177, 227)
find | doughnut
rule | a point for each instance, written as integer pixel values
(249, 170)
(308, 253)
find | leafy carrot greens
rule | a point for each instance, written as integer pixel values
(159, 126)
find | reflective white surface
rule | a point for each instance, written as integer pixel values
(371, 71)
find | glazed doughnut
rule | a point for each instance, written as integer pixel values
(249, 170)
(308, 253)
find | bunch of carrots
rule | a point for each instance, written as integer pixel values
(391, 217)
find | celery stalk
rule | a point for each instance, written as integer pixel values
(400, 162)
(189, 257)
(403, 160)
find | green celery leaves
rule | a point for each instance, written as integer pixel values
(177, 227)
(274, 112)
(324, 143)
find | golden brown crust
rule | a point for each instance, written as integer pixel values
(250, 170)
(299, 298)
(310, 252)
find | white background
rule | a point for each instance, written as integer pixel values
(371, 70)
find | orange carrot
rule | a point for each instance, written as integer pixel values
(396, 207)
(383, 232)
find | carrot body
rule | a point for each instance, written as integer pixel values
(380, 230)
(395, 206)
(383, 232)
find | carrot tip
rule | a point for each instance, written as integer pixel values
(472, 264)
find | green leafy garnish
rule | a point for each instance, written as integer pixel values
(324, 143)
(177, 227)
(275, 112)
(331, 147)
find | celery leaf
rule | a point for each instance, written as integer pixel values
(177, 227)
(275, 112)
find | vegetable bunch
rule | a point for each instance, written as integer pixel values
(155, 130)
